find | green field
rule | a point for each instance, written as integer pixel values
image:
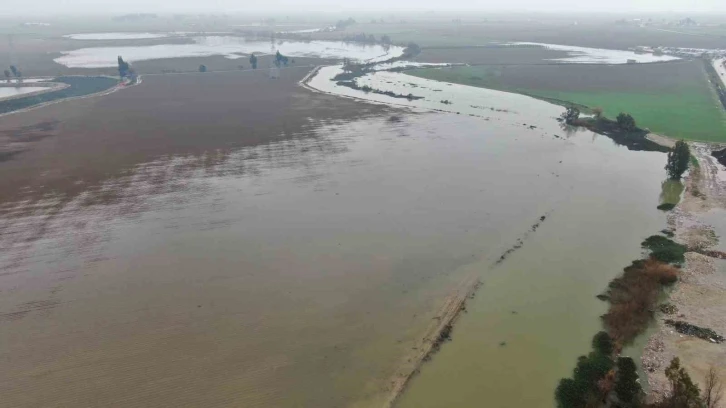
(673, 99)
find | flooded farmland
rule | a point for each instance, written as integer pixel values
(304, 270)
(227, 46)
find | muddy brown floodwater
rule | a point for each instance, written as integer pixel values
(227, 240)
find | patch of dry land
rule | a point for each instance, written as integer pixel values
(700, 296)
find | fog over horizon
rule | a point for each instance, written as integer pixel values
(293, 7)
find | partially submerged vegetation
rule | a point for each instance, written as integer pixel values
(603, 378)
(633, 298)
(623, 130)
(665, 250)
(352, 71)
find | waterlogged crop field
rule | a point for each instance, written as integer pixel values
(674, 99)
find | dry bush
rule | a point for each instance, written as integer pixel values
(713, 389)
(633, 298)
(664, 273)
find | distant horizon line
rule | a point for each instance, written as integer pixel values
(479, 12)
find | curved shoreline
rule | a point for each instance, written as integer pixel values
(48, 87)
(113, 89)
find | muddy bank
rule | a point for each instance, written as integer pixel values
(694, 321)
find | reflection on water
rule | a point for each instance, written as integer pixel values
(671, 191)
(497, 107)
(18, 90)
(227, 46)
(301, 273)
(116, 36)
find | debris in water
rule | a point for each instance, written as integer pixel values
(520, 241)
(695, 331)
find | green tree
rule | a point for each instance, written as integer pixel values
(569, 394)
(576, 392)
(280, 59)
(202, 68)
(123, 68)
(627, 387)
(678, 160)
(602, 343)
(684, 393)
(7, 75)
(626, 122)
(570, 115)
(253, 61)
(14, 70)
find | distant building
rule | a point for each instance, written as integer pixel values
(632, 61)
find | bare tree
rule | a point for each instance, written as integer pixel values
(713, 389)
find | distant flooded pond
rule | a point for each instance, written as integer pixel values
(586, 55)
(227, 46)
(116, 36)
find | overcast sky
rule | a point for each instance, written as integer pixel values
(291, 6)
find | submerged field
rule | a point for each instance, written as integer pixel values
(674, 99)
(227, 239)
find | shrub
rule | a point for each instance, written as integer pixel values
(666, 206)
(633, 298)
(586, 384)
(602, 343)
(664, 249)
(626, 122)
(684, 393)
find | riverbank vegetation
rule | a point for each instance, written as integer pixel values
(352, 71)
(674, 99)
(79, 86)
(603, 377)
(678, 160)
(623, 130)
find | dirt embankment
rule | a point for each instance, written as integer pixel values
(700, 296)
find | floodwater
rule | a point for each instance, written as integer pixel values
(7, 91)
(302, 272)
(227, 46)
(585, 55)
(116, 36)
(537, 311)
